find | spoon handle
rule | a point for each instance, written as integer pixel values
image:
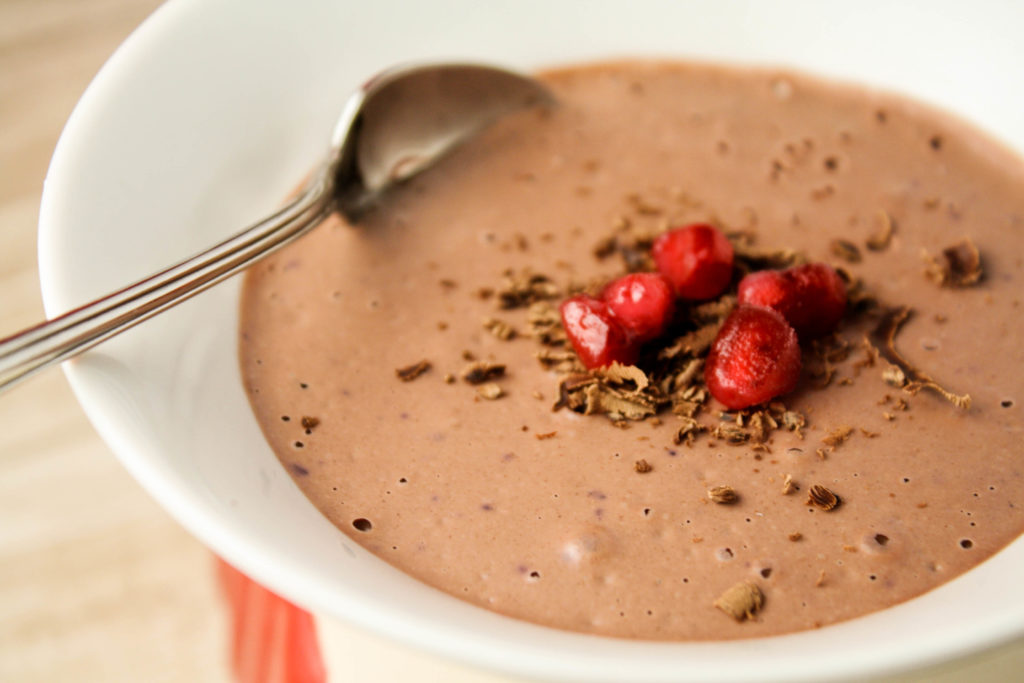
(70, 334)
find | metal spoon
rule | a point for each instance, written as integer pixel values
(393, 127)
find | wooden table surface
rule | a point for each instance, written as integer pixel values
(97, 583)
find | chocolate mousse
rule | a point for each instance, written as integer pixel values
(620, 501)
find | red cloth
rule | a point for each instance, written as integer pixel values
(272, 640)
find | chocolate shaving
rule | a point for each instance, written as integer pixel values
(838, 436)
(880, 240)
(625, 375)
(825, 354)
(622, 392)
(694, 392)
(642, 466)
(636, 254)
(869, 358)
(958, 265)
(913, 379)
(633, 247)
(742, 239)
(688, 431)
(742, 601)
(684, 381)
(524, 288)
(605, 247)
(411, 372)
(833, 348)
(643, 206)
(714, 311)
(858, 299)
(823, 192)
(893, 376)
(731, 434)
(789, 486)
(499, 329)
(693, 344)
(545, 324)
(723, 495)
(761, 424)
(794, 422)
(618, 406)
(822, 497)
(490, 391)
(309, 423)
(562, 361)
(482, 371)
(751, 258)
(847, 251)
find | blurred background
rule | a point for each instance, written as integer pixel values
(97, 583)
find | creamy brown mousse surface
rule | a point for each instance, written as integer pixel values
(566, 530)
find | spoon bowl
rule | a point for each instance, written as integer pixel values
(405, 118)
(394, 126)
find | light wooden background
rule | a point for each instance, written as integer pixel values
(96, 582)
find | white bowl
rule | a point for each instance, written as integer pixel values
(214, 109)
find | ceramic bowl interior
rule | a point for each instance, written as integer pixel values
(211, 113)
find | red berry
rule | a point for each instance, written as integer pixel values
(811, 297)
(696, 259)
(754, 358)
(596, 335)
(643, 304)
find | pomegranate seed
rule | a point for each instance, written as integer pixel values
(754, 358)
(696, 259)
(811, 297)
(594, 332)
(643, 304)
